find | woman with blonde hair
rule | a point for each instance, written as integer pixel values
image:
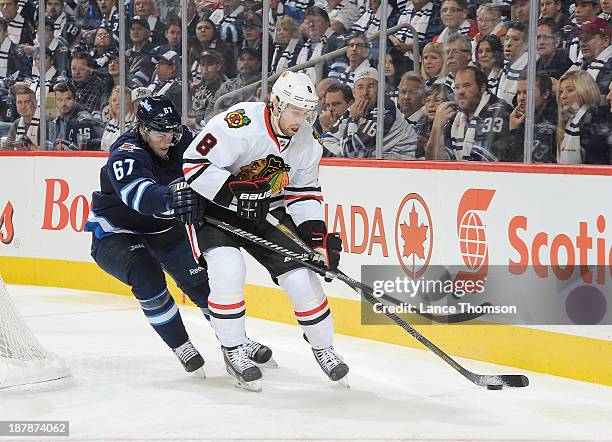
(582, 131)
(433, 67)
(112, 130)
(287, 45)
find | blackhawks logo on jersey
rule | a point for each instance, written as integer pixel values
(237, 119)
(272, 168)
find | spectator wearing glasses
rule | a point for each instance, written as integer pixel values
(552, 58)
(435, 96)
(458, 55)
(357, 54)
(356, 135)
(515, 56)
(488, 18)
(454, 18)
(103, 45)
(595, 35)
(490, 60)
(582, 135)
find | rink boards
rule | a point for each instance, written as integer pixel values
(413, 215)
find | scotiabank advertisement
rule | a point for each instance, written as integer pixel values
(514, 233)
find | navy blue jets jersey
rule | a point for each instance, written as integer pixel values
(134, 195)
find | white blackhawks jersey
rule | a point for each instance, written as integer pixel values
(240, 145)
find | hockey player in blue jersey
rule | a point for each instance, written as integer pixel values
(136, 235)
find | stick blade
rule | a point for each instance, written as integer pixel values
(515, 380)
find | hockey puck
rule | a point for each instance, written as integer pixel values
(495, 387)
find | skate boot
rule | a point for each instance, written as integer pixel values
(332, 364)
(190, 358)
(259, 354)
(237, 364)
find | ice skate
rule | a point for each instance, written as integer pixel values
(190, 358)
(237, 364)
(260, 354)
(332, 364)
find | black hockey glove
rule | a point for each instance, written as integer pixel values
(253, 198)
(188, 205)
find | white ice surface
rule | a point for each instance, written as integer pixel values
(128, 385)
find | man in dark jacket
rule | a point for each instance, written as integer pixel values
(74, 128)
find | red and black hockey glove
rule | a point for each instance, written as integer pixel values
(187, 204)
(327, 245)
(253, 198)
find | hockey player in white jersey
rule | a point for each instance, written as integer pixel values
(253, 159)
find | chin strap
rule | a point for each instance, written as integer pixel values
(276, 123)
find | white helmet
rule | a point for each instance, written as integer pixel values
(294, 88)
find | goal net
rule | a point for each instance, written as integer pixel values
(24, 363)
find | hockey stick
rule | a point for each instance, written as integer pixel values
(441, 319)
(489, 381)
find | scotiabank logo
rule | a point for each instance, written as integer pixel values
(413, 235)
(472, 234)
(563, 252)
(63, 209)
(7, 231)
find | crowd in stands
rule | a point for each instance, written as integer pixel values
(467, 101)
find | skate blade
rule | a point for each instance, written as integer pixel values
(249, 386)
(344, 382)
(270, 364)
(199, 373)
